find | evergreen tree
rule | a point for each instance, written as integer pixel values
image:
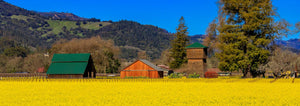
(113, 63)
(246, 30)
(178, 50)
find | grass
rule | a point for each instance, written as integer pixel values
(94, 25)
(57, 26)
(20, 17)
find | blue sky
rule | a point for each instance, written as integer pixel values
(162, 13)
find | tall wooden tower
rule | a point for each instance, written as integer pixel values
(197, 54)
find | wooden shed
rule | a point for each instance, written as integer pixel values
(71, 66)
(142, 68)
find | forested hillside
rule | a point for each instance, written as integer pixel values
(20, 24)
(32, 30)
(149, 38)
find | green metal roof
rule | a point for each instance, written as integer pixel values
(67, 68)
(71, 57)
(196, 45)
(69, 63)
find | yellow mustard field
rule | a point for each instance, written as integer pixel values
(116, 92)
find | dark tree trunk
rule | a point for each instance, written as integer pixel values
(276, 75)
(264, 72)
(247, 72)
(244, 73)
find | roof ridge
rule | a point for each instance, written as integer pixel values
(196, 45)
(151, 64)
(67, 57)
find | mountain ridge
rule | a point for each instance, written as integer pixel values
(291, 44)
(35, 30)
(62, 16)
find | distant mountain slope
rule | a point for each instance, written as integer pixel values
(149, 38)
(29, 28)
(197, 38)
(20, 24)
(32, 29)
(293, 43)
(7, 9)
(62, 16)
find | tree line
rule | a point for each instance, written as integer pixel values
(104, 53)
(242, 38)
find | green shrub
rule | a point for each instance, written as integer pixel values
(194, 75)
(175, 75)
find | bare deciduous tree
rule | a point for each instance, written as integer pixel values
(212, 62)
(282, 60)
(142, 55)
(3, 61)
(165, 58)
(35, 61)
(104, 52)
(14, 65)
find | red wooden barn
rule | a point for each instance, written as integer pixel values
(142, 68)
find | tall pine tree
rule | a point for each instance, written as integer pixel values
(246, 30)
(178, 50)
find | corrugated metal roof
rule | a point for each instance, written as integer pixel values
(164, 67)
(67, 68)
(69, 63)
(196, 45)
(151, 65)
(71, 57)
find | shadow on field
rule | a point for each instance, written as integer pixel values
(254, 80)
(273, 80)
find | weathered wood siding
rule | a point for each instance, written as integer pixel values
(23, 75)
(65, 76)
(197, 58)
(195, 61)
(196, 53)
(149, 74)
(200, 63)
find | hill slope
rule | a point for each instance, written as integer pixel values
(34, 29)
(61, 16)
(149, 38)
(19, 24)
(197, 38)
(292, 44)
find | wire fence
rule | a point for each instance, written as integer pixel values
(44, 75)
